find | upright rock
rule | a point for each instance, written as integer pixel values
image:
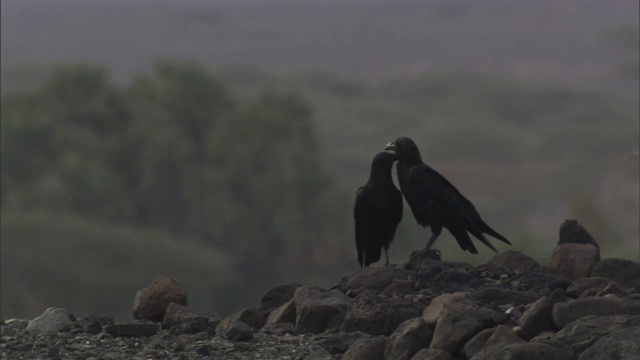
(152, 302)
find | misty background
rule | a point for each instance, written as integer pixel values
(222, 142)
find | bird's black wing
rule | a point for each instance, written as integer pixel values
(359, 215)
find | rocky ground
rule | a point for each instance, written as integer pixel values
(580, 308)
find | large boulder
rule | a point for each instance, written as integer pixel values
(277, 296)
(152, 302)
(180, 314)
(574, 261)
(565, 312)
(622, 271)
(367, 349)
(51, 321)
(584, 332)
(411, 336)
(376, 314)
(286, 313)
(619, 345)
(526, 351)
(537, 318)
(319, 310)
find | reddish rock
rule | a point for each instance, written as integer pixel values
(250, 316)
(318, 310)
(152, 302)
(180, 314)
(574, 261)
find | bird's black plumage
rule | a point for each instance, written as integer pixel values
(435, 202)
(377, 211)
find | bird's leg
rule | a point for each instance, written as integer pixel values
(386, 254)
(434, 235)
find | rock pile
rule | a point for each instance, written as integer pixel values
(510, 308)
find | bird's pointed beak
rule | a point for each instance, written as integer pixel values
(391, 146)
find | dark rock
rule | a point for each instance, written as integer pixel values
(571, 232)
(447, 281)
(400, 288)
(594, 286)
(277, 296)
(526, 351)
(431, 354)
(501, 336)
(422, 257)
(180, 314)
(432, 312)
(93, 325)
(238, 331)
(366, 349)
(339, 343)
(192, 327)
(619, 345)
(622, 271)
(537, 318)
(375, 314)
(152, 302)
(51, 321)
(583, 332)
(286, 313)
(374, 278)
(572, 310)
(476, 343)
(250, 316)
(513, 260)
(458, 322)
(132, 329)
(204, 350)
(574, 261)
(501, 296)
(318, 310)
(411, 336)
(538, 281)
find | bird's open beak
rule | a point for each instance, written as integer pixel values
(391, 146)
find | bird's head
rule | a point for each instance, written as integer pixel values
(384, 160)
(404, 147)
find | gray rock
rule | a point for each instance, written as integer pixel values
(277, 296)
(574, 261)
(411, 336)
(457, 323)
(619, 345)
(238, 331)
(583, 332)
(51, 321)
(286, 313)
(375, 314)
(132, 329)
(366, 349)
(374, 278)
(513, 260)
(526, 351)
(538, 318)
(571, 232)
(339, 343)
(476, 343)
(432, 312)
(280, 329)
(565, 312)
(443, 279)
(431, 354)
(624, 272)
(250, 316)
(318, 310)
(501, 336)
(594, 286)
(152, 302)
(180, 314)
(400, 288)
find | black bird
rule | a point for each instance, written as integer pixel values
(377, 211)
(435, 202)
